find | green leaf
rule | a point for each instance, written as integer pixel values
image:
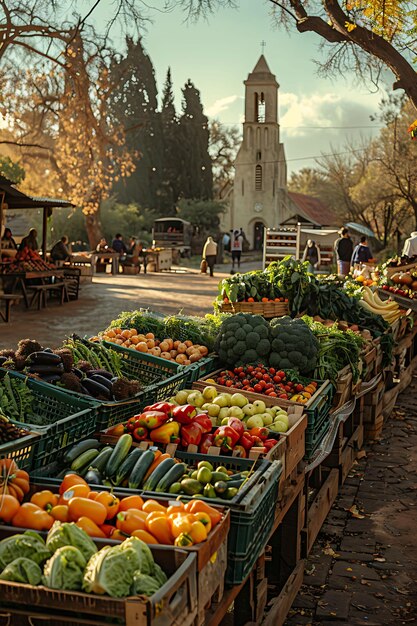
(294, 277)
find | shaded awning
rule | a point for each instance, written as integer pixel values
(360, 228)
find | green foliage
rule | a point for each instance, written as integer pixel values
(203, 214)
(11, 170)
(240, 287)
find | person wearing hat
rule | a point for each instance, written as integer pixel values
(343, 248)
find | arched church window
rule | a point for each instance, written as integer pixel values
(258, 178)
(259, 107)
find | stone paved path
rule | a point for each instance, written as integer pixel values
(363, 566)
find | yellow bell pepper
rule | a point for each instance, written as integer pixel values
(167, 433)
(184, 540)
(198, 532)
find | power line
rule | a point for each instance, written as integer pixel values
(312, 127)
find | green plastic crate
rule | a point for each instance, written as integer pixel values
(69, 419)
(21, 450)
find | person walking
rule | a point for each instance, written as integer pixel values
(236, 248)
(312, 255)
(210, 253)
(362, 253)
(343, 248)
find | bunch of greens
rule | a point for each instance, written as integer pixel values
(336, 350)
(22, 570)
(294, 281)
(65, 569)
(96, 354)
(16, 400)
(240, 287)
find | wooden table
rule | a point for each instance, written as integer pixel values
(113, 256)
(19, 279)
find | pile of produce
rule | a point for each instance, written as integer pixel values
(148, 470)
(250, 287)
(9, 431)
(26, 260)
(79, 366)
(69, 560)
(183, 353)
(201, 331)
(402, 284)
(267, 381)
(388, 309)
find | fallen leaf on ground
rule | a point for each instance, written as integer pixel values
(354, 511)
(380, 559)
(329, 551)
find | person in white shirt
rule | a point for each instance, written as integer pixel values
(410, 246)
(236, 248)
(210, 253)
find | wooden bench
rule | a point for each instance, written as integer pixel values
(40, 293)
(9, 299)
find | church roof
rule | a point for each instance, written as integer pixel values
(314, 209)
(261, 73)
(261, 67)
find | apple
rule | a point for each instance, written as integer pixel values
(267, 418)
(259, 406)
(279, 427)
(255, 421)
(239, 399)
(181, 397)
(248, 410)
(236, 411)
(196, 399)
(209, 393)
(221, 400)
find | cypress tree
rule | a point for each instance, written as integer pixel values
(171, 176)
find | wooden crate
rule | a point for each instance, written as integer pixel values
(373, 431)
(266, 309)
(343, 387)
(322, 486)
(348, 442)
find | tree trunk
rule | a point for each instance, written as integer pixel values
(94, 229)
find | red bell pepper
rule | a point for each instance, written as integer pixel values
(204, 421)
(152, 419)
(184, 414)
(225, 437)
(246, 441)
(132, 423)
(240, 451)
(257, 441)
(262, 433)
(270, 443)
(164, 407)
(192, 433)
(207, 441)
(140, 433)
(237, 425)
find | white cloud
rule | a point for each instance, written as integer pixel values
(221, 105)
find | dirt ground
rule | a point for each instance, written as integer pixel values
(102, 301)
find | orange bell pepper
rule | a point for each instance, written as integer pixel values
(181, 524)
(130, 520)
(9, 506)
(110, 502)
(90, 527)
(31, 516)
(83, 507)
(144, 536)
(76, 491)
(117, 535)
(45, 500)
(159, 527)
(196, 506)
(204, 518)
(69, 480)
(176, 508)
(107, 529)
(60, 512)
(131, 502)
(198, 532)
(152, 505)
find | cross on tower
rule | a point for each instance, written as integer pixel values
(263, 44)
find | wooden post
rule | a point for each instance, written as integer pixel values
(44, 231)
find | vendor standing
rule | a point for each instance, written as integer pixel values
(343, 248)
(30, 241)
(410, 245)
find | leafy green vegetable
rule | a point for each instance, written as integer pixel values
(144, 585)
(293, 345)
(111, 571)
(29, 545)
(69, 534)
(159, 574)
(22, 570)
(240, 287)
(145, 562)
(65, 569)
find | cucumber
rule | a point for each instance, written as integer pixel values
(79, 448)
(120, 452)
(173, 475)
(158, 473)
(141, 467)
(100, 461)
(236, 483)
(84, 460)
(127, 465)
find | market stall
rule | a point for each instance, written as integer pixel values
(206, 452)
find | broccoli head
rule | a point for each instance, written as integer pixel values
(243, 338)
(293, 345)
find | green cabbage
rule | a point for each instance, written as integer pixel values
(65, 569)
(69, 534)
(22, 570)
(159, 574)
(29, 545)
(111, 571)
(144, 585)
(146, 564)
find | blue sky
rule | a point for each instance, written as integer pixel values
(218, 53)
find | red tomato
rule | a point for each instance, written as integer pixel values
(272, 394)
(283, 395)
(229, 383)
(258, 376)
(258, 388)
(277, 379)
(281, 374)
(271, 371)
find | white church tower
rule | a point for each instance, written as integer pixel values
(259, 190)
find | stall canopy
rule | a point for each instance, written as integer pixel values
(15, 199)
(360, 228)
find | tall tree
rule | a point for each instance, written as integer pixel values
(197, 182)
(223, 146)
(172, 175)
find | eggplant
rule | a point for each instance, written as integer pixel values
(103, 373)
(96, 389)
(48, 350)
(44, 358)
(51, 378)
(77, 372)
(103, 381)
(46, 369)
(93, 477)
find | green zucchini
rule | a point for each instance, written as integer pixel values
(128, 465)
(159, 471)
(173, 475)
(141, 467)
(84, 460)
(79, 448)
(120, 452)
(100, 461)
